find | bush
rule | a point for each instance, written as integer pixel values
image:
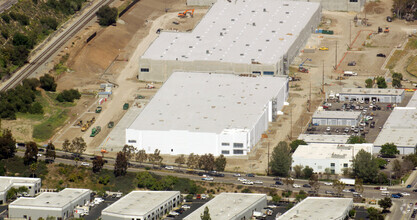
(107, 15)
(49, 22)
(6, 18)
(20, 39)
(48, 83)
(246, 190)
(36, 108)
(68, 95)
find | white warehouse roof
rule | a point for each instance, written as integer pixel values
(337, 114)
(228, 205)
(8, 181)
(52, 199)
(318, 208)
(323, 138)
(202, 102)
(327, 151)
(238, 32)
(138, 203)
(372, 91)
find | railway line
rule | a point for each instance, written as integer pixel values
(41, 58)
(6, 5)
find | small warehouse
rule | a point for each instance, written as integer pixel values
(142, 205)
(202, 113)
(332, 156)
(260, 37)
(324, 138)
(50, 204)
(319, 208)
(336, 118)
(372, 95)
(232, 206)
(8, 182)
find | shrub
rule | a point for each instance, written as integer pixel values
(49, 22)
(107, 15)
(68, 95)
(6, 18)
(36, 108)
(246, 190)
(48, 83)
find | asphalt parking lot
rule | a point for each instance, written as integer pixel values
(379, 114)
(95, 212)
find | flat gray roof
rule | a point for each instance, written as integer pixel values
(227, 205)
(323, 138)
(202, 102)
(328, 151)
(400, 128)
(413, 100)
(6, 181)
(337, 114)
(238, 32)
(371, 91)
(318, 208)
(52, 199)
(138, 203)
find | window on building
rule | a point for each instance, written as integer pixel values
(144, 70)
(225, 144)
(25, 216)
(345, 165)
(238, 145)
(256, 72)
(131, 141)
(237, 151)
(30, 187)
(353, 0)
(332, 164)
(268, 72)
(225, 152)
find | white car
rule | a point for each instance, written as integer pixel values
(39, 155)
(328, 183)
(346, 190)
(85, 164)
(258, 182)
(207, 178)
(174, 213)
(328, 129)
(236, 174)
(241, 179)
(296, 186)
(248, 182)
(185, 206)
(169, 167)
(405, 194)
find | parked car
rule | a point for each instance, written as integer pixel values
(408, 186)
(236, 174)
(85, 164)
(258, 182)
(185, 206)
(169, 167)
(250, 175)
(279, 183)
(395, 196)
(405, 194)
(296, 186)
(328, 129)
(307, 185)
(329, 192)
(207, 178)
(381, 55)
(328, 183)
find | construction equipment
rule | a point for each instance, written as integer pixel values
(323, 48)
(98, 109)
(301, 68)
(95, 131)
(110, 124)
(126, 106)
(184, 14)
(88, 124)
(80, 123)
(386, 30)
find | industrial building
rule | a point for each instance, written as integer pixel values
(332, 156)
(49, 204)
(324, 138)
(7, 182)
(260, 37)
(142, 205)
(331, 5)
(336, 118)
(400, 128)
(232, 206)
(370, 95)
(319, 208)
(208, 113)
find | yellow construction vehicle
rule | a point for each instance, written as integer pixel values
(184, 14)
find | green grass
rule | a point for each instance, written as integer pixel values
(46, 129)
(398, 54)
(16, 167)
(412, 66)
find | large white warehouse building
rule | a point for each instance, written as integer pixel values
(208, 113)
(7, 182)
(332, 156)
(252, 36)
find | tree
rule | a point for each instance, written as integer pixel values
(220, 163)
(141, 156)
(298, 171)
(356, 140)
(365, 167)
(380, 81)
(66, 146)
(389, 150)
(288, 181)
(180, 160)
(50, 151)
(396, 83)
(314, 182)
(120, 167)
(129, 151)
(33, 167)
(281, 160)
(206, 162)
(301, 196)
(398, 76)
(98, 164)
(68, 95)
(78, 145)
(308, 172)
(369, 83)
(412, 158)
(359, 186)
(107, 15)
(385, 203)
(36, 108)
(192, 161)
(396, 167)
(48, 83)
(31, 153)
(155, 158)
(20, 39)
(295, 143)
(338, 187)
(374, 214)
(206, 214)
(7, 144)
(381, 163)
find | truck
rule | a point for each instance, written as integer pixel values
(126, 106)
(347, 181)
(95, 131)
(350, 73)
(99, 109)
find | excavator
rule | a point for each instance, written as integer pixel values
(184, 14)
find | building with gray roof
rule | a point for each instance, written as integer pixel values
(7, 182)
(231, 206)
(204, 113)
(324, 138)
(50, 204)
(372, 94)
(336, 118)
(319, 208)
(142, 205)
(259, 37)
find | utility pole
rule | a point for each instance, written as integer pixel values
(291, 122)
(322, 80)
(335, 59)
(267, 171)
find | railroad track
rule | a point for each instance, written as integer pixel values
(51, 49)
(7, 5)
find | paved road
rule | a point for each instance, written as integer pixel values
(4, 5)
(401, 209)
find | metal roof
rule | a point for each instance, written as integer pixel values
(337, 114)
(238, 32)
(327, 151)
(371, 91)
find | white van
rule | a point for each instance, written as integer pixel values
(385, 193)
(350, 73)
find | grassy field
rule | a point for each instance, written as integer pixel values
(412, 66)
(398, 54)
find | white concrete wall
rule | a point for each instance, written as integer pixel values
(319, 165)
(378, 98)
(201, 2)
